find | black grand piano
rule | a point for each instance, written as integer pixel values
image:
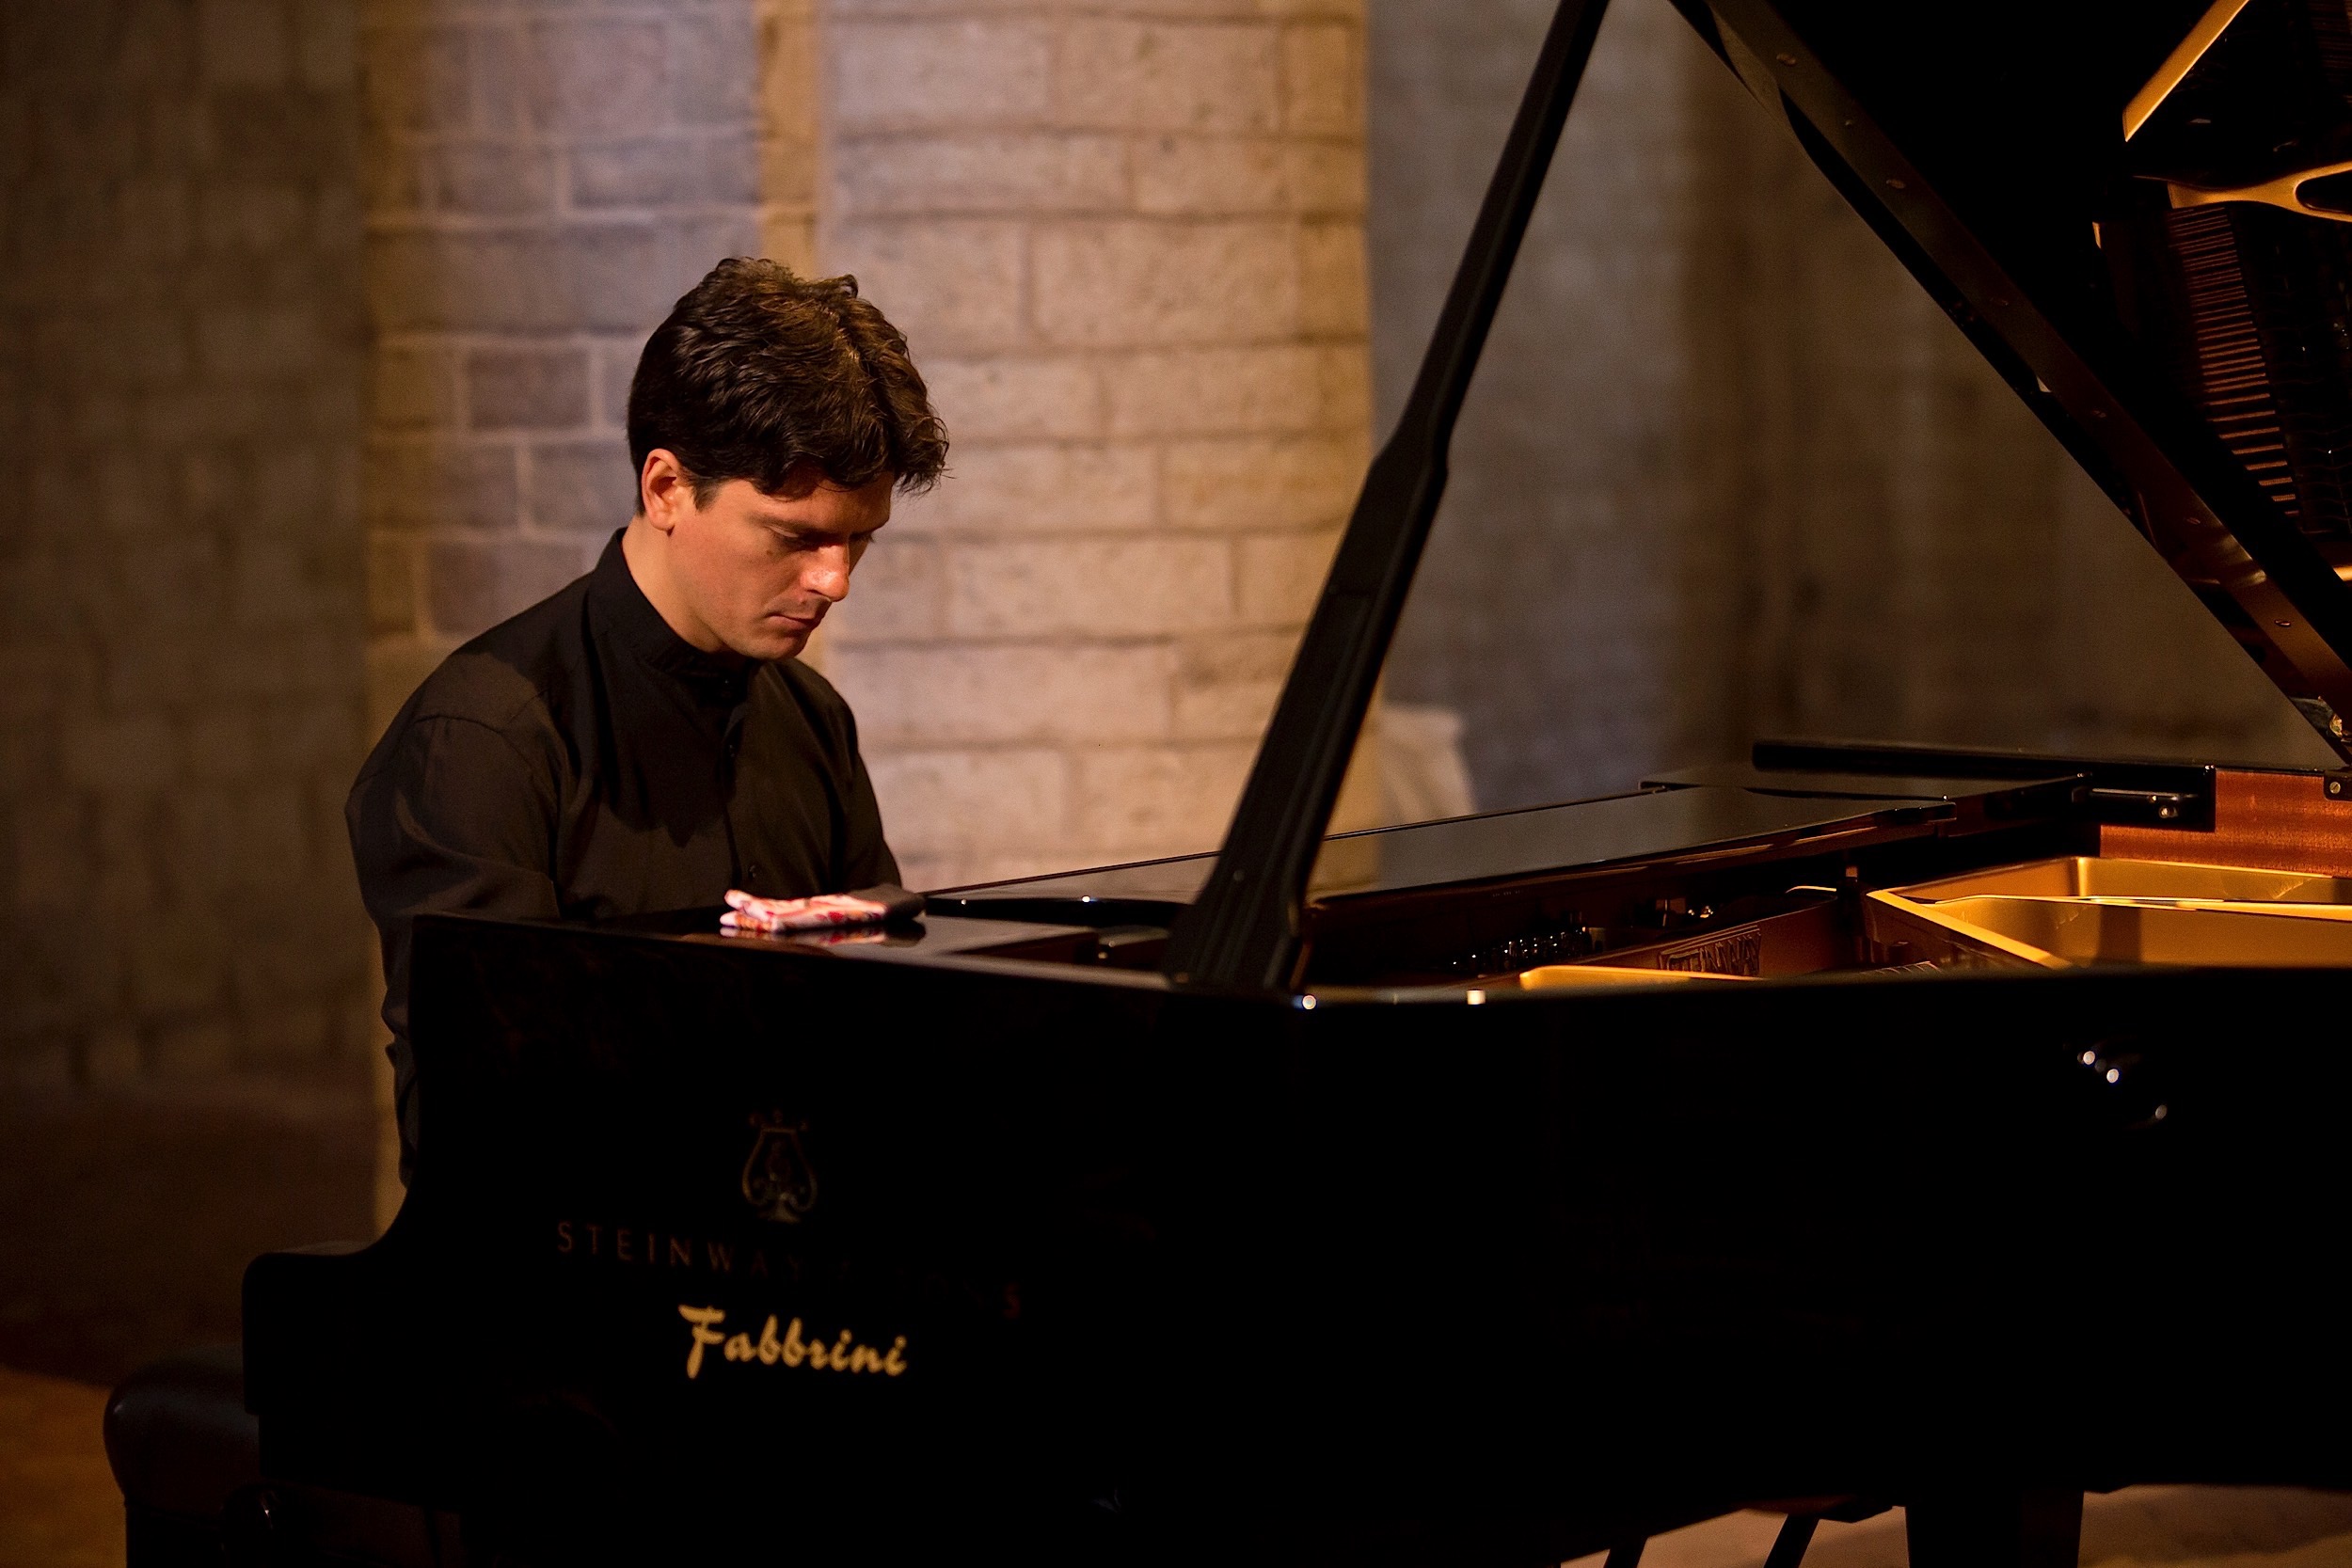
(1860, 1125)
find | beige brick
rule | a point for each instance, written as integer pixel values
(180, 965)
(1322, 80)
(1216, 175)
(1158, 799)
(1200, 175)
(396, 666)
(244, 42)
(284, 1036)
(416, 78)
(952, 286)
(945, 799)
(524, 387)
(1248, 483)
(326, 45)
(413, 386)
(964, 72)
(1226, 686)
(1167, 76)
(278, 582)
(1334, 290)
(1279, 575)
(1022, 172)
(118, 756)
(1036, 489)
(952, 695)
(471, 584)
(259, 343)
(933, 870)
(1156, 283)
(1088, 587)
(1016, 399)
(899, 593)
(113, 1058)
(51, 852)
(186, 1051)
(1241, 391)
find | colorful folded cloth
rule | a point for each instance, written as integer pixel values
(868, 906)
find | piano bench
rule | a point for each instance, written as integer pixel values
(181, 1442)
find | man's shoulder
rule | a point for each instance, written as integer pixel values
(501, 682)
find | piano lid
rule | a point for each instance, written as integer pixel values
(2140, 211)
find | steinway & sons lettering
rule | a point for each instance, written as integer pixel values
(844, 1355)
(642, 1247)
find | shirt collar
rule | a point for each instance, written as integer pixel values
(621, 607)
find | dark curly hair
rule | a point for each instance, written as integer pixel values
(758, 371)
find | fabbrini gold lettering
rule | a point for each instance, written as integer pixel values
(795, 1347)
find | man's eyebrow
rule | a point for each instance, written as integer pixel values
(809, 531)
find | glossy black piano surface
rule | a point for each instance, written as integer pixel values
(1495, 1189)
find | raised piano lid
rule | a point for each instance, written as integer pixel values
(2170, 305)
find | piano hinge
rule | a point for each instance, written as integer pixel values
(2338, 785)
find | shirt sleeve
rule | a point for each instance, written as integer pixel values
(453, 819)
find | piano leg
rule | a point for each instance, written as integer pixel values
(1995, 1530)
(1627, 1553)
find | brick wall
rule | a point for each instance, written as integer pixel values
(544, 180)
(179, 647)
(1126, 242)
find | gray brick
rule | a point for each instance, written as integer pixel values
(420, 484)
(601, 277)
(526, 388)
(586, 74)
(473, 584)
(669, 172)
(714, 67)
(587, 487)
(485, 178)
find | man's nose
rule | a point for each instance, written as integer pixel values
(828, 574)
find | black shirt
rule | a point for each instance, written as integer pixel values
(582, 760)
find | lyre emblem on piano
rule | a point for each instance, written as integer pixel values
(778, 1181)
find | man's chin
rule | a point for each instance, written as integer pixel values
(774, 640)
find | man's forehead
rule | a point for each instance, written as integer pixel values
(824, 505)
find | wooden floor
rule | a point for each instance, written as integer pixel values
(58, 1507)
(2146, 1527)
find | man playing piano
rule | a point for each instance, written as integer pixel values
(646, 739)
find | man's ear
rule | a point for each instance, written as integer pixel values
(664, 493)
